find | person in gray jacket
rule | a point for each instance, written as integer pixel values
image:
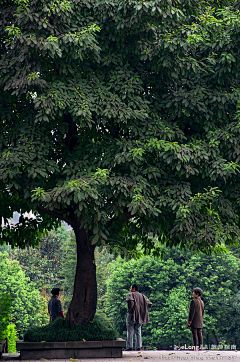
(195, 317)
(137, 314)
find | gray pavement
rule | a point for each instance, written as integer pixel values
(154, 356)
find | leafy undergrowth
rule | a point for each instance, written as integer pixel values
(60, 331)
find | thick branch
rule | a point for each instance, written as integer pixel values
(57, 215)
(71, 138)
(127, 217)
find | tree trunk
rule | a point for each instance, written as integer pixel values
(208, 347)
(84, 301)
(216, 339)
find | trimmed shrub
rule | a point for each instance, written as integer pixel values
(60, 331)
(12, 338)
(5, 308)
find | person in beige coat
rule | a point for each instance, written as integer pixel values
(195, 317)
(137, 314)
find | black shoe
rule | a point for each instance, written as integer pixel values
(139, 349)
(128, 349)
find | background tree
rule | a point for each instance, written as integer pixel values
(62, 233)
(42, 264)
(120, 118)
(25, 308)
(68, 269)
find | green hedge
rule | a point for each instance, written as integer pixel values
(60, 331)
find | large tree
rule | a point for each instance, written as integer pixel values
(120, 118)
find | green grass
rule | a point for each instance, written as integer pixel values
(60, 331)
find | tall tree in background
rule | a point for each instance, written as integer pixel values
(120, 118)
(25, 308)
(42, 264)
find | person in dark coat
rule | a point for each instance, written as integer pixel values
(195, 317)
(137, 314)
(55, 308)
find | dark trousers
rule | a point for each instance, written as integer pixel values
(197, 336)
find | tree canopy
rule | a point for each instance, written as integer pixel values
(120, 118)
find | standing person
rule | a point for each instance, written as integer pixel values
(195, 317)
(55, 308)
(137, 314)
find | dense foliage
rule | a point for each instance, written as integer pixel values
(42, 264)
(7, 329)
(59, 331)
(12, 338)
(25, 306)
(5, 308)
(121, 118)
(151, 87)
(168, 283)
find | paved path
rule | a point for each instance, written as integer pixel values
(153, 356)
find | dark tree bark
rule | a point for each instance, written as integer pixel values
(216, 339)
(84, 302)
(208, 346)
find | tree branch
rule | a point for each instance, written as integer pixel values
(127, 217)
(56, 214)
(71, 138)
